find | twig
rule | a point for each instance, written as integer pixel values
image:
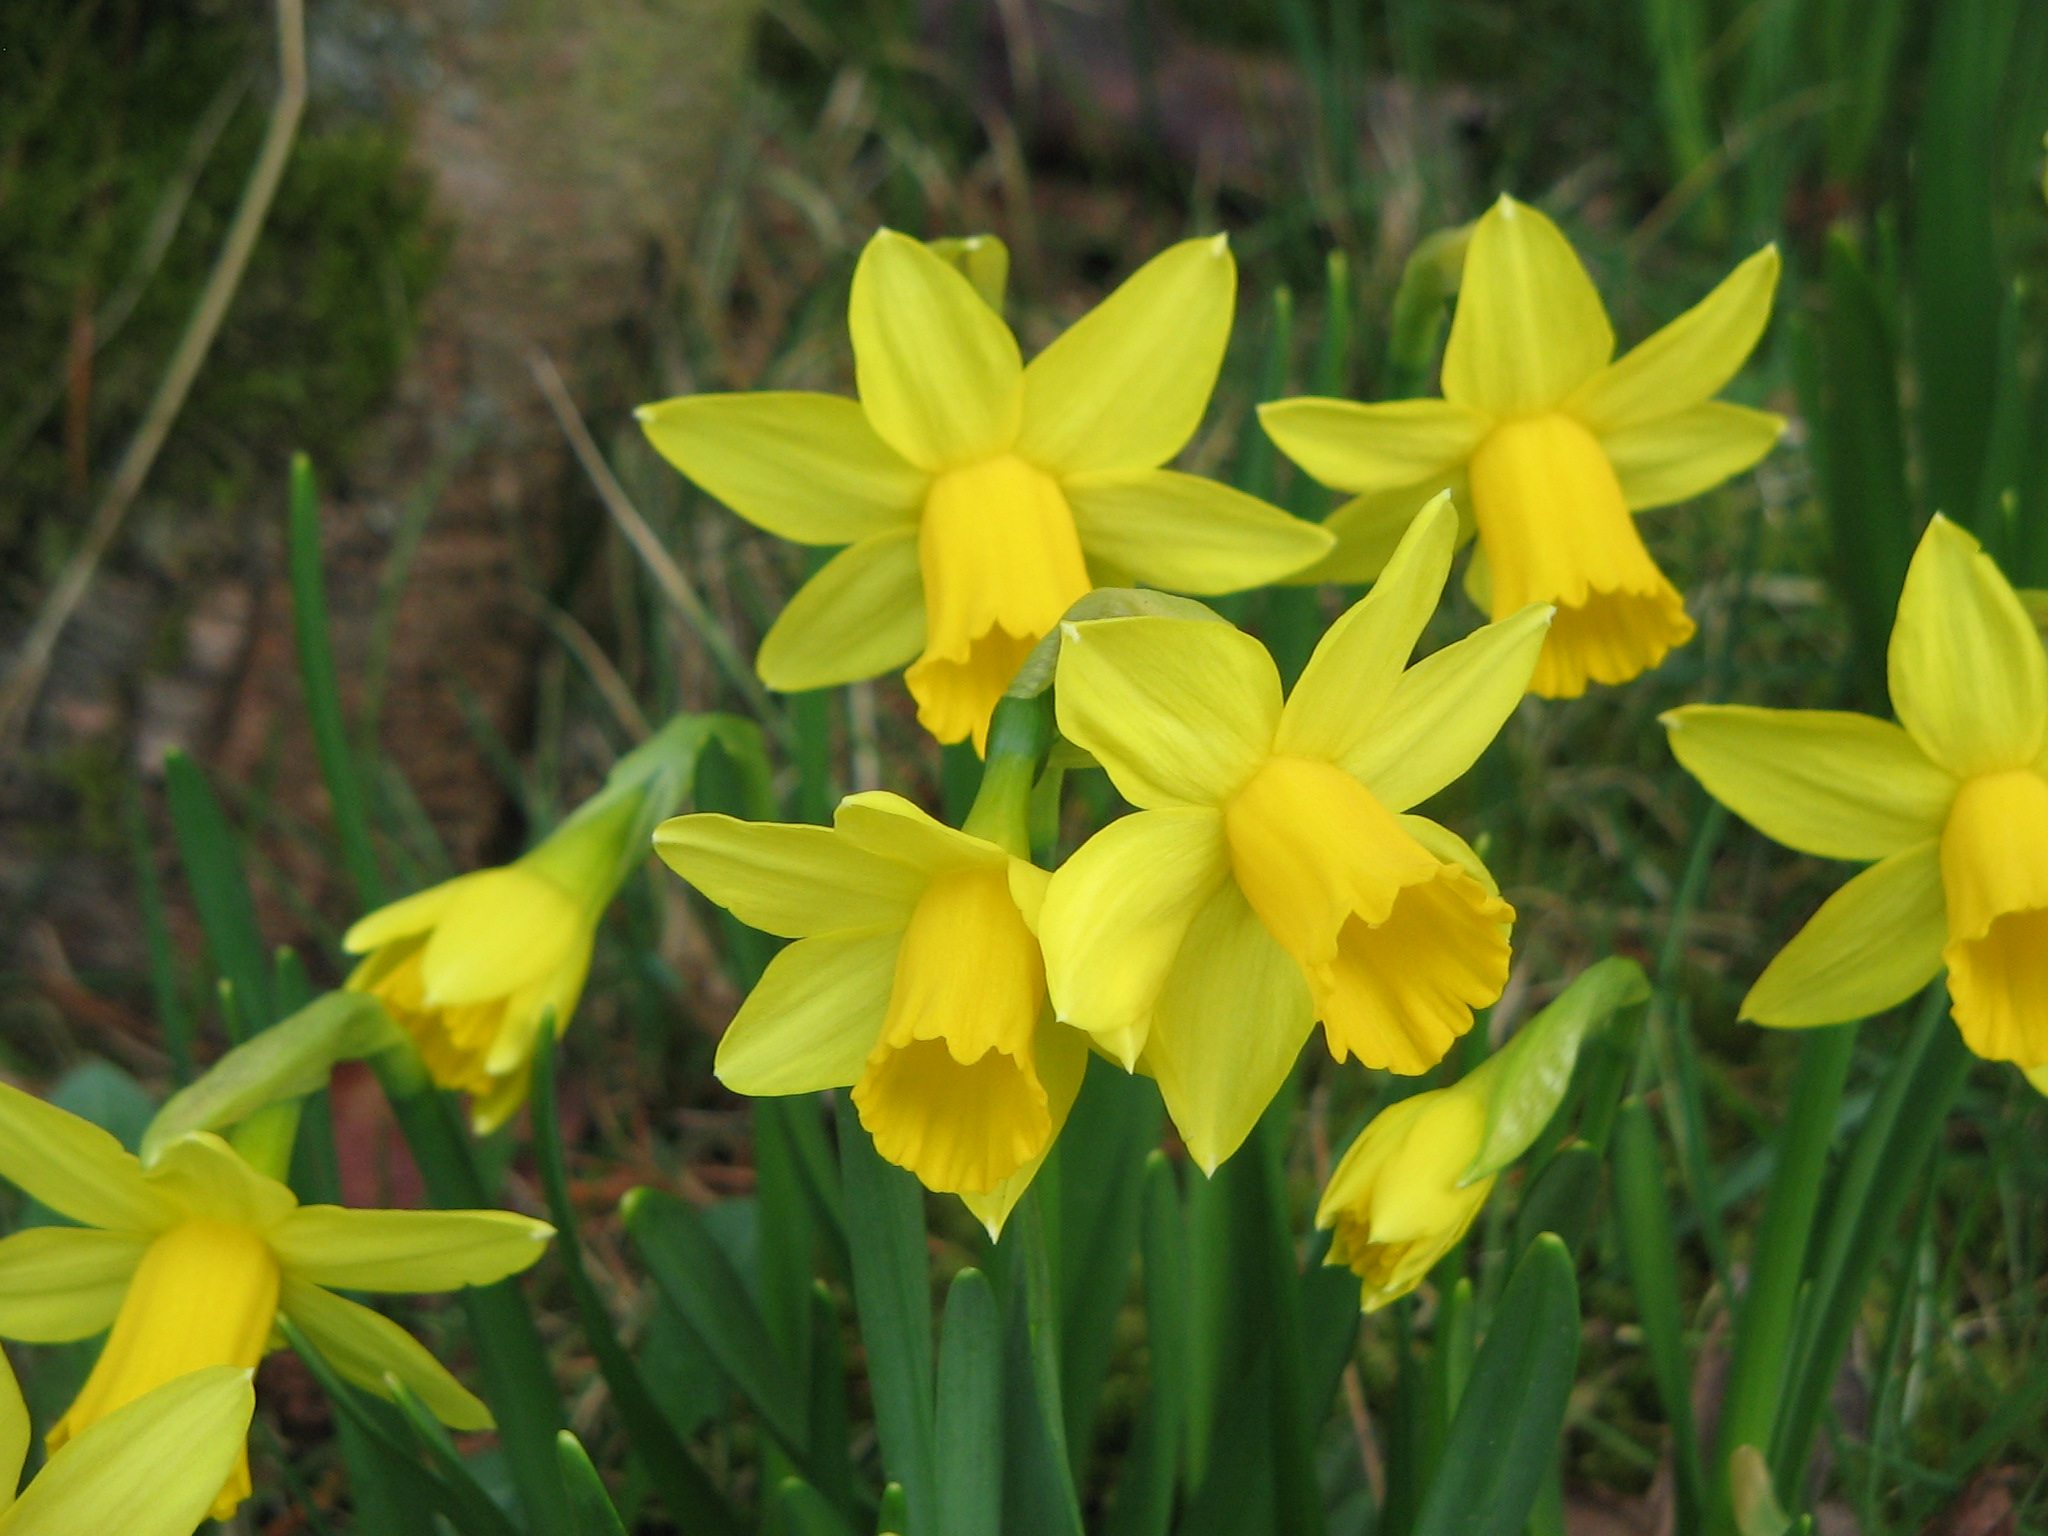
(581, 644)
(675, 586)
(25, 680)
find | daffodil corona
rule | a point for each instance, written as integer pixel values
(1270, 878)
(1551, 444)
(1951, 803)
(978, 497)
(915, 980)
(192, 1259)
(151, 1468)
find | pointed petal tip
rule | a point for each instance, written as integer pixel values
(1219, 244)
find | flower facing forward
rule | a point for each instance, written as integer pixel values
(1396, 1203)
(192, 1259)
(979, 497)
(1270, 878)
(149, 1469)
(915, 980)
(1550, 444)
(1951, 804)
(470, 968)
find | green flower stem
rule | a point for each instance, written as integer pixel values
(519, 1384)
(1763, 1330)
(1019, 737)
(693, 1501)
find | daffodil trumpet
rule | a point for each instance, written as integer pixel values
(150, 1468)
(1409, 1187)
(191, 1258)
(1550, 444)
(977, 497)
(1948, 807)
(471, 967)
(1271, 876)
(915, 979)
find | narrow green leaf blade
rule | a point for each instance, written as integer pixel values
(590, 1506)
(969, 1416)
(220, 890)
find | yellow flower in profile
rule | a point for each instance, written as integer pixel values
(470, 968)
(149, 1469)
(1395, 1204)
(1269, 878)
(979, 497)
(192, 1259)
(915, 979)
(1951, 804)
(1550, 444)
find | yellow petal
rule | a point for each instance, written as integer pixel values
(1872, 945)
(1839, 785)
(1002, 562)
(1449, 848)
(1368, 529)
(1180, 712)
(1062, 1062)
(63, 1283)
(813, 1017)
(1340, 693)
(792, 881)
(1556, 530)
(205, 1179)
(74, 1167)
(1117, 913)
(506, 928)
(938, 371)
(1350, 446)
(364, 1347)
(1397, 946)
(151, 1468)
(1994, 873)
(1968, 676)
(1530, 327)
(406, 1252)
(805, 467)
(1227, 1027)
(891, 827)
(406, 917)
(1187, 534)
(1677, 457)
(1690, 359)
(1125, 386)
(861, 616)
(1446, 709)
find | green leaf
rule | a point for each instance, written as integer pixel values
(701, 1283)
(1526, 1079)
(338, 768)
(1145, 1496)
(969, 1413)
(892, 1296)
(287, 1061)
(1038, 1482)
(1429, 281)
(1510, 1420)
(590, 1505)
(227, 912)
(1562, 1198)
(807, 1512)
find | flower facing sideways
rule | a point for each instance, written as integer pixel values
(192, 1259)
(1269, 878)
(1550, 444)
(979, 497)
(149, 1469)
(915, 979)
(1951, 804)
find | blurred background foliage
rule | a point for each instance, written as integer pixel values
(501, 641)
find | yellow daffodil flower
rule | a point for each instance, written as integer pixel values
(149, 1469)
(1395, 1203)
(1951, 803)
(191, 1259)
(979, 497)
(1270, 878)
(471, 967)
(1550, 444)
(915, 979)
(1410, 1186)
